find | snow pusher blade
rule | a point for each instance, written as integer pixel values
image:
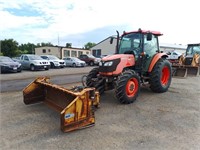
(74, 105)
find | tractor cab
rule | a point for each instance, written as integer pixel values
(142, 44)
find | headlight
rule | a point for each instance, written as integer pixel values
(19, 65)
(108, 63)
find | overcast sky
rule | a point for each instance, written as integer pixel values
(82, 21)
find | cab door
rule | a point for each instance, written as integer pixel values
(150, 48)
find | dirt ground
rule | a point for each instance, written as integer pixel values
(169, 120)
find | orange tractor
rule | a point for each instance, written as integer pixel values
(137, 61)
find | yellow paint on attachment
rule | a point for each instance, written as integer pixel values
(75, 108)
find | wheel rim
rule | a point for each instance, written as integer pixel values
(32, 68)
(165, 75)
(131, 87)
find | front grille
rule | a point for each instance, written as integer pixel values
(13, 66)
(109, 68)
(61, 63)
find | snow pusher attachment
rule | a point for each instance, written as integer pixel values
(74, 105)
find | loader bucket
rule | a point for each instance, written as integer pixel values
(193, 70)
(180, 72)
(75, 107)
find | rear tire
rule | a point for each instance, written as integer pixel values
(127, 87)
(160, 77)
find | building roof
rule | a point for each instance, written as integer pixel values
(167, 45)
(61, 47)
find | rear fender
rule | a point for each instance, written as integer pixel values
(155, 59)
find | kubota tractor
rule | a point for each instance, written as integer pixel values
(137, 61)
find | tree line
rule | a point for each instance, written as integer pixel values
(11, 48)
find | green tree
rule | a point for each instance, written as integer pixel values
(27, 48)
(68, 45)
(9, 47)
(89, 45)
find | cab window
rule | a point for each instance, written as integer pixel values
(151, 47)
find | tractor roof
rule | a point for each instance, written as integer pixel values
(197, 44)
(145, 32)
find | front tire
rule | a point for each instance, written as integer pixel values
(91, 63)
(92, 80)
(161, 76)
(32, 67)
(52, 65)
(127, 87)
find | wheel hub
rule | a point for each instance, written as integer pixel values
(131, 87)
(165, 75)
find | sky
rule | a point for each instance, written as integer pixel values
(81, 21)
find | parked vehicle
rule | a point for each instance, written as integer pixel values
(8, 65)
(174, 55)
(74, 62)
(54, 61)
(90, 59)
(34, 62)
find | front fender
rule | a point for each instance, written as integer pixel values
(155, 59)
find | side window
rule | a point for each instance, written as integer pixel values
(150, 47)
(84, 56)
(189, 51)
(26, 58)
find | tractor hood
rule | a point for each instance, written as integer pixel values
(118, 56)
(115, 64)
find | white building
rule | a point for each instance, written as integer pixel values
(61, 52)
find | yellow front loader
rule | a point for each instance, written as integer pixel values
(189, 64)
(76, 105)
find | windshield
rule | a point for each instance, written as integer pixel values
(53, 57)
(130, 42)
(5, 59)
(35, 57)
(192, 49)
(91, 56)
(76, 59)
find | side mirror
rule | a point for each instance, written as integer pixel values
(111, 40)
(149, 36)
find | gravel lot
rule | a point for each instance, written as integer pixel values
(169, 120)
